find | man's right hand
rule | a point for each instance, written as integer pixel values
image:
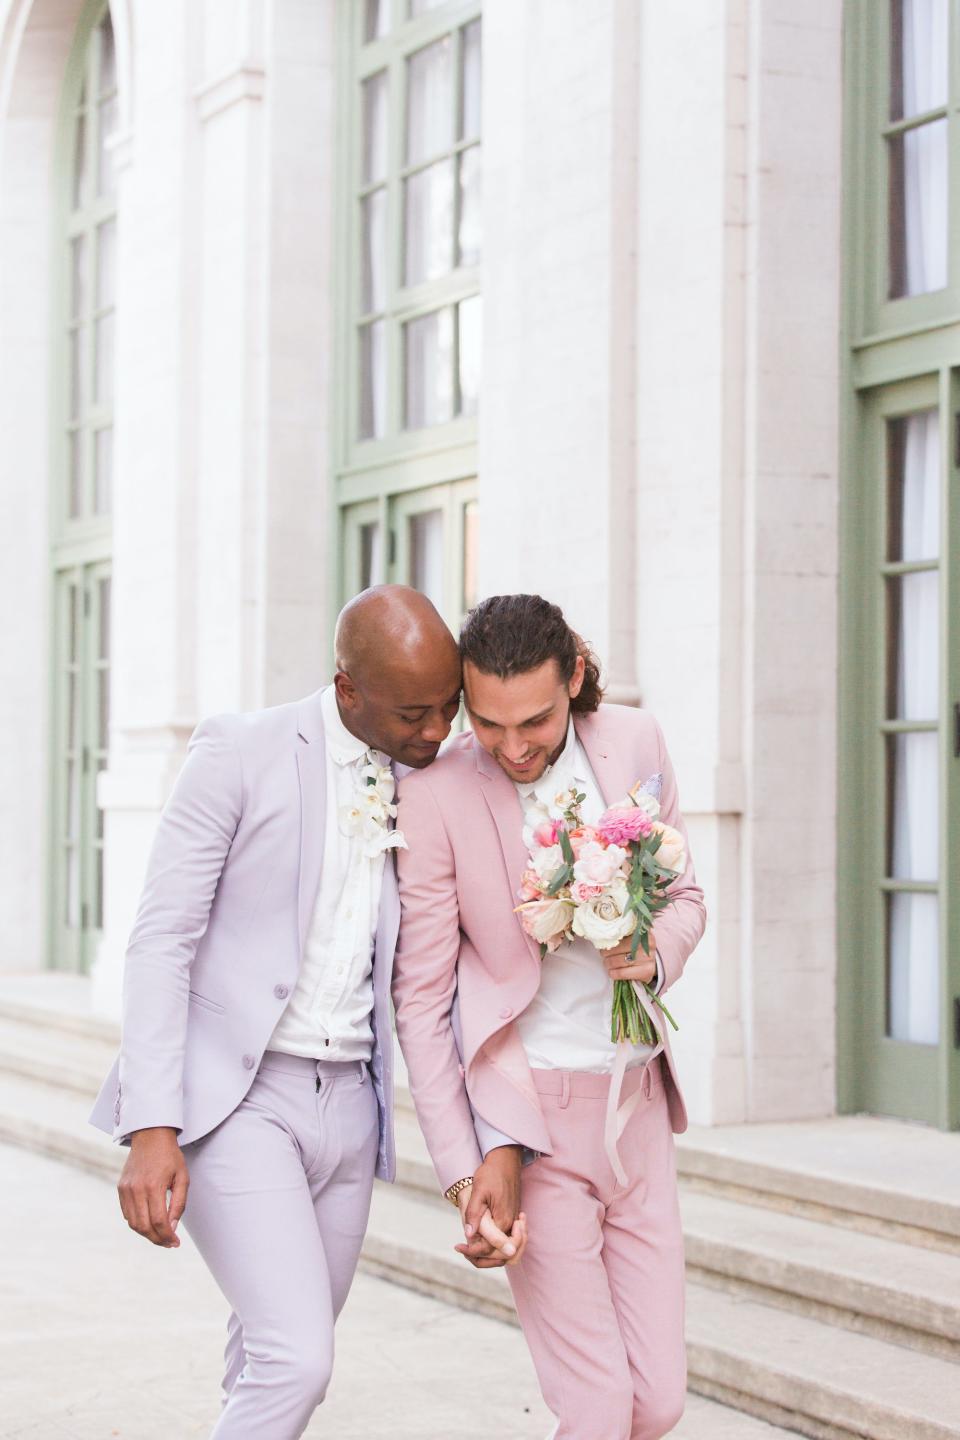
(155, 1166)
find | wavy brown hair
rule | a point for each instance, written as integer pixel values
(511, 634)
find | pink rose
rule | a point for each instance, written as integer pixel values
(583, 893)
(598, 864)
(547, 832)
(624, 824)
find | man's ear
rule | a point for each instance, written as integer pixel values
(576, 679)
(346, 690)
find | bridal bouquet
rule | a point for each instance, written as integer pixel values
(602, 882)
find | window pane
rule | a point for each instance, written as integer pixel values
(470, 81)
(469, 328)
(913, 823)
(79, 161)
(376, 20)
(72, 711)
(103, 471)
(428, 356)
(421, 7)
(914, 983)
(430, 102)
(77, 255)
(75, 473)
(371, 555)
(428, 223)
(108, 59)
(106, 263)
(373, 381)
(103, 709)
(426, 555)
(914, 487)
(75, 382)
(373, 225)
(72, 886)
(919, 56)
(106, 127)
(73, 622)
(913, 646)
(918, 210)
(375, 128)
(103, 376)
(471, 218)
(471, 527)
(103, 612)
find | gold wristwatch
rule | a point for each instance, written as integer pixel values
(453, 1194)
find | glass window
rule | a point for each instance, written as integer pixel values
(917, 147)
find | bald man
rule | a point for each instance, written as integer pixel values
(254, 1083)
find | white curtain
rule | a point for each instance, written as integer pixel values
(926, 25)
(914, 919)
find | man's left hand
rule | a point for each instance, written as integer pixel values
(643, 968)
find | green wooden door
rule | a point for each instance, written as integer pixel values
(900, 822)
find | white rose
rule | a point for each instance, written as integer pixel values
(601, 920)
(547, 862)
(672, 854)
(648, 803)
(598, 864)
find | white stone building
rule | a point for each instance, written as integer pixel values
(244, 253)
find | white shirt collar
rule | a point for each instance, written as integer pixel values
(342, 746)
(565, 765)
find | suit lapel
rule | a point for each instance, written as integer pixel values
(312, 773)
(501, 799)
(608, 765)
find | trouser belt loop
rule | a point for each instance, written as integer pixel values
(564, 1089)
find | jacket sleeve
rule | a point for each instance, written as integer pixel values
(680, 926)
(425, 982)
(193, 839)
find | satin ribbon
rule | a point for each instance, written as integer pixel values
(617, 1115)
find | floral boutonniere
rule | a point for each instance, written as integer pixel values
(371, 810)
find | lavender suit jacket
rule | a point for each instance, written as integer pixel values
(216, 948)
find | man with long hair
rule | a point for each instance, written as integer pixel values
(599, 1286)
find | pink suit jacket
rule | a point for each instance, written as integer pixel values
(459, 932)
(216, 948)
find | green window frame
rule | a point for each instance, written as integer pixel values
(409, 311)
(81, 486)
(901, 362)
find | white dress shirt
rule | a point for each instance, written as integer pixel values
(328, 1016)
(566, 1026)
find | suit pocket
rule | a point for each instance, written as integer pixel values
(206, 1004)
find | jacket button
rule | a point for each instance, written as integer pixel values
(505, 1013)
(248, 1062)
(281, 991)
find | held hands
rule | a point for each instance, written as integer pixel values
(495, 1226)
(644, 967)
(154, 1166)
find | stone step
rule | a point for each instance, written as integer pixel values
(882, 1177)
(58, 1058)
(866, 1283)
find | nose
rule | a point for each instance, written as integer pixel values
(435, 729)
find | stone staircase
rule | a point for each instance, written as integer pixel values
(823, 1259)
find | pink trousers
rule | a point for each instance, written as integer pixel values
(600, 1288)
(278, 1204)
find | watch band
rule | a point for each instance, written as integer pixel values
(453, 1193)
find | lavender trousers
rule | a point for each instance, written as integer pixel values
(278, 1204)
(600, 1288)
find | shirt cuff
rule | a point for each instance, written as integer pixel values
(660, 975)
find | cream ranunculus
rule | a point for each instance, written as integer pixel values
(602, 920)
(672, 854)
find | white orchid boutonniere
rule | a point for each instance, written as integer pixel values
(371, 810)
